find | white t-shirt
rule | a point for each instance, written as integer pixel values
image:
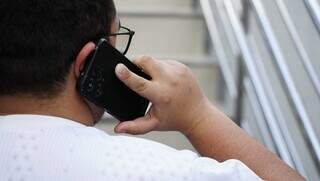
(38, 148)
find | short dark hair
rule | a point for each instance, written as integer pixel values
(40, 39)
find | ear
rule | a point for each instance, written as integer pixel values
(82, 56)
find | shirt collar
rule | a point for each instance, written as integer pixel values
(35, 121)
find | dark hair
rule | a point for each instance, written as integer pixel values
(40, 39)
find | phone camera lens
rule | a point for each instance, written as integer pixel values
(98, 92)
(99, 76)
(90, 87)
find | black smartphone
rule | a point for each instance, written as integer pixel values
(99, 84)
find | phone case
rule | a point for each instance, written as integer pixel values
(98, 84)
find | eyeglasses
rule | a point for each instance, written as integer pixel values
(123, 39)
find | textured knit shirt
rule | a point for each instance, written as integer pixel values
(39, 148)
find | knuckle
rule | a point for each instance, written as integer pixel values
(134, 129)
(174, 82)
(165, 99)
(144, 61)
(174, 62)
(141, 86)
(138, 131)
(145, 58)
(182, 70)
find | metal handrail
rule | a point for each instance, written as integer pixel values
(214, 34)
(294, 97)
(276, 133)
(314, 11)
(299, 46)
(278, 113)
(259, 88)
(265, 129)
(266, 97)
(154, 13)
(228, 31)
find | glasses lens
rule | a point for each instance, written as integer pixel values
(122, 40)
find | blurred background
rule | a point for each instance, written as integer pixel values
(257, 60)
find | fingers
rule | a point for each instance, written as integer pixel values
(139, 126)
(138, 84)
(173, 63)
(148, 65)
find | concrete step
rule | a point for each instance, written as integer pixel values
(160, 13)
(166, 36)
(154, 4)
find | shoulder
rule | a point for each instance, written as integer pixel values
(124, 156)
(138, 149)
(98, 145)
(92, 135)
(85, 153)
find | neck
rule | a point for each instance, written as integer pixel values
(69, 107)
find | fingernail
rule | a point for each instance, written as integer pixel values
(120, 70)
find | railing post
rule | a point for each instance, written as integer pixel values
(239, 100)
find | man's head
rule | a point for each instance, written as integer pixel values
(44, 44)
(40, 40)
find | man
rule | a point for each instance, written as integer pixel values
(45, 131)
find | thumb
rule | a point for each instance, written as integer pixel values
(141, 125)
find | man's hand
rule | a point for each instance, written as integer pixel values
(179, 105)
(177, 100)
